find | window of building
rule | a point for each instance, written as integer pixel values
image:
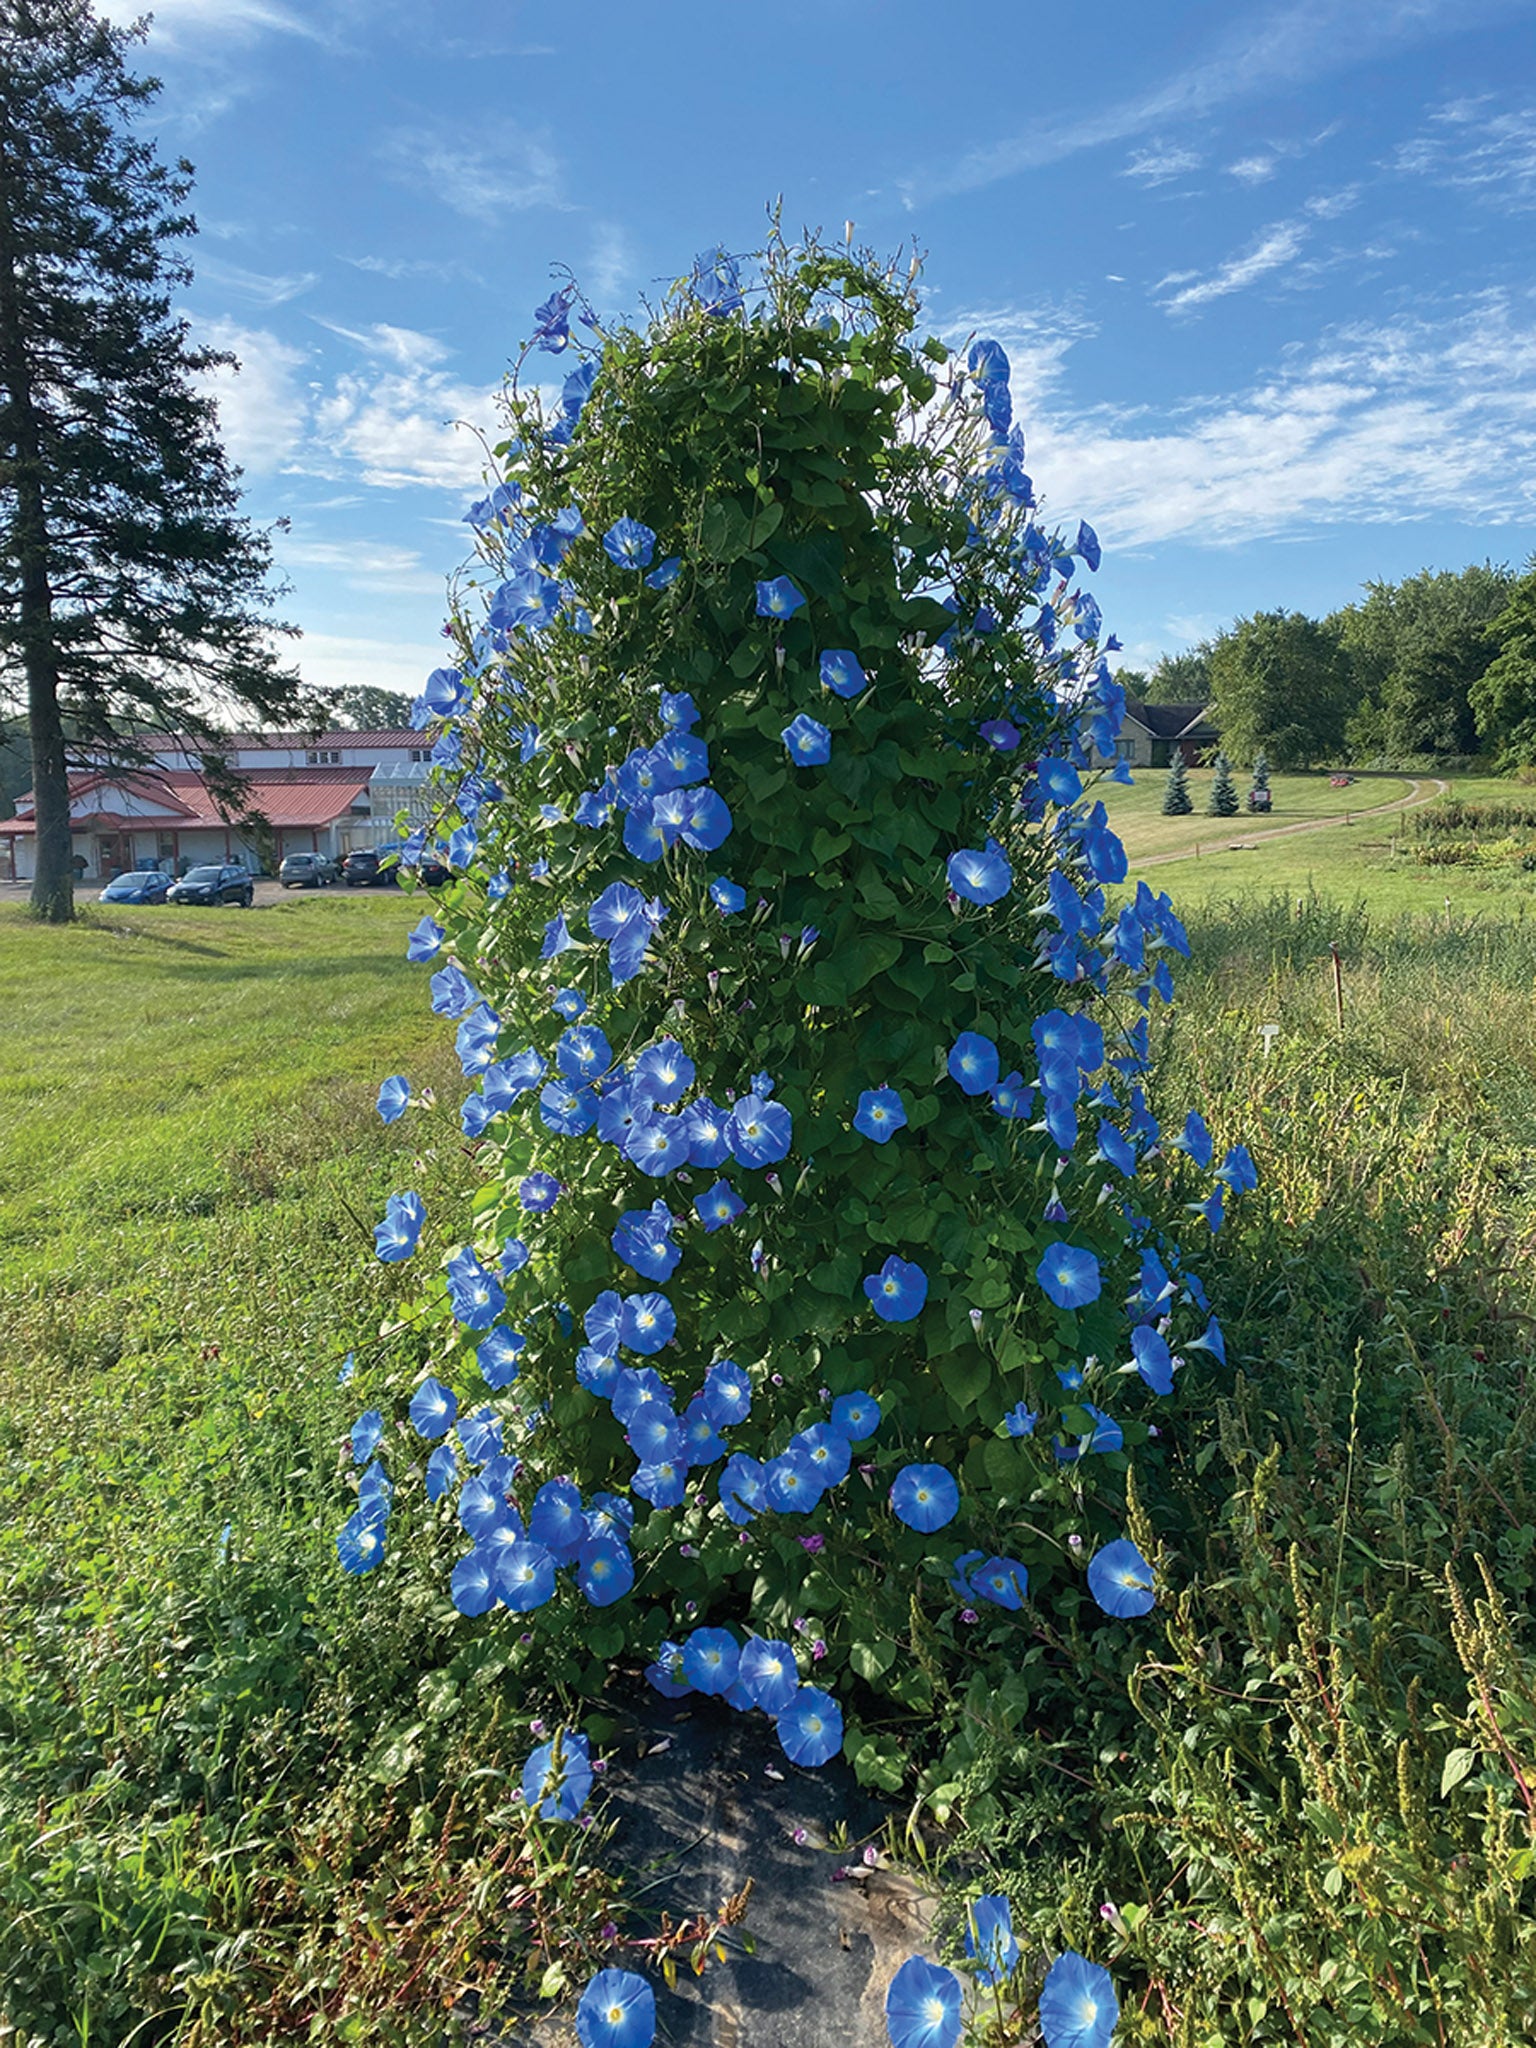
(420, 754)
(324, 757)
(1126, 749)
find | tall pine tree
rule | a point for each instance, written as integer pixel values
(1223, 799)
(1177, 802)
(132, 595)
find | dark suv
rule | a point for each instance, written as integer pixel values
(211, 885)
(360, 869)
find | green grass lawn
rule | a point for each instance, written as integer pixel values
(1367, 858)
(1136, 812)
(159, 1063)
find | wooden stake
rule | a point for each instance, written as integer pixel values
(1338, 987)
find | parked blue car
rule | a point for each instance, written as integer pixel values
(142, 887)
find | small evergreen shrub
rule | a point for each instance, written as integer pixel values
(1223, 799)
(1177, 801)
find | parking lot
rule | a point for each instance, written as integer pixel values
(268, 892)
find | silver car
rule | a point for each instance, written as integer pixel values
(307, 871)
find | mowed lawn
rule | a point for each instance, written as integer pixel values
(1358, 856)
(156, 1063)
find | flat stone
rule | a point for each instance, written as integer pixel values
(706, 1800)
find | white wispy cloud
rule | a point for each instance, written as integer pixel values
(1253, 170)
(610, 267)
(262, 405)
(362, 564)
(1159, 166)
(1471, 146)
(1259, 54)
(484, 183)
(1273, 248)
(178, 21)
(255, 285)
(391, 424)
(398, 268)
(1419, 418)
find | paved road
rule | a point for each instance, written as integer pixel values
(1413, 801)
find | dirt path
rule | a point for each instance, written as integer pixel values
(1411, 802)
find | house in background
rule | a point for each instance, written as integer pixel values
(1150, 734)
(326, 792)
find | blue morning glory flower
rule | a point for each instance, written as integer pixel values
(1003, 1581)
(425, 941)
(394, 1094)
(360, 1542)
(810, 1728)
(1020, 1421)
(990, 1939)
(367, 1434)
(664, 1072)
(569, 1002)
(472, 1586)
(1237, 1170)
(856, 1415)
(1087, 545)
(480, 1434)
(452, 991)
(648, 1322)
(598, 1371)
(1212, 1341)
(709, 1142)
(983, 877)
(1060, 781)
(678, 710)
(808, 740)
(643, 1241)
(897, 1292)
(974, 1063)
(767, 1670)
(474, 1294)
(1213, 1208)
(1069, 1275)
(602, 1319)
(475, 1039)
(716, 283)
(710, 1658)
(922, 2006)
(605, 1571)
(727, 1393)
(702, 1442)
(568, 1112)
(666, 1673)
(726, 896)
(759, 1132)
(551, 321)
(988, 363)
(925, 1497)
(664, 1483)
(718, 1205)
(434, 1409)
(793, 1483)
(665, 574)
(556, 1519)
(707, 821)
(743, 1489)
(616, 911)
(557, 1778)
(841, 672)
(880, 1114)
(654, 1433)
(538, 1193)
(1116, 1149)
(828, 1450)
(629, 544)
(1194, 1139)
(778, 598)
(657, 1145)
(617, 2010)
(397, 1236)
(1121, 1581)
(583, 1053)
(1001, 733)
(557, 938)
(525, 1576)
(483, 1508)
(497, 1356)
(1154, 1361)
(1078, 2007)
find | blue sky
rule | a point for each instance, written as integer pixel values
(1267, 273)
